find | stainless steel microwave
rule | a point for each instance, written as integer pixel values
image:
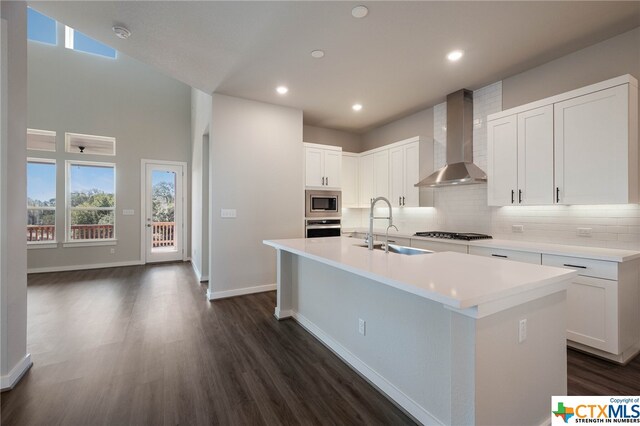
(323, 203)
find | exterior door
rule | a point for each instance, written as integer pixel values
(163, 211)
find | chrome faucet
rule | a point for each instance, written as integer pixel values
(386, 241)
(371, 217)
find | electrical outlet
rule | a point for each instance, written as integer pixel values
(128, 212)
(522, 330)
(228, 213)
(362, 324)
(584, 232)
(112, 251)
(519, 229)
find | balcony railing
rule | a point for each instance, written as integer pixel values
(163, 233)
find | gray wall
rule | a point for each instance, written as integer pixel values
(417, 124)
(148, 113)
(13, 259)
(200, 125)
(350, 142)
(613, 57)
(256, 158)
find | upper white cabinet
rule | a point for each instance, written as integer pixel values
(381, 174)
(580, 147)
(365, 178)
(520, 158)
(350, 178)
(404, 163)
(596, 161)
(323, 166)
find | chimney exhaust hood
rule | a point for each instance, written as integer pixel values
(459, 169)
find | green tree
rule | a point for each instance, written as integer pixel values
(163, 199)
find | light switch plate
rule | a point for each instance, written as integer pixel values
(128, 212)
(517, 229)
(228, 213)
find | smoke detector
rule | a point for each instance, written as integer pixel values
(121, 32)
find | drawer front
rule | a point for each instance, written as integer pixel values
(360, 235)
(439, 246)
(592, 313)
(518, 256)
(400, 241)
(585, 267)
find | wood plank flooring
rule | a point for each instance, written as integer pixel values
(142, 345)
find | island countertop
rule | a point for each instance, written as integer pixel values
(457, 280)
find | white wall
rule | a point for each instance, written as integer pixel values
(148, 113)
(13, 259)
(256, 159)
(200, 125)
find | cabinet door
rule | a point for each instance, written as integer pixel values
(365, 184)
(502, 161)
(396, 176)
(349, 180)
(332, 168)
(381, 174)
(535, 157)
(439, 246)
(411, 174)
(592, 314)
(592, 147)
(313, 166)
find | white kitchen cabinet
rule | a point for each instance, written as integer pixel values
(323, 166)
(404, 163)
(365, 184)
(579, 147)
(596, 163)
(520, 158)
(516, 255)
(381, 174)
(349, 178)
(438, 245)
(394, 239)
(602, 306)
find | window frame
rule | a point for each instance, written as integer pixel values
(48, 243)
(69, 242)
(69, 43)
(46, 43)
(42, 132)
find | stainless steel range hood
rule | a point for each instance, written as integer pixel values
(460, 169)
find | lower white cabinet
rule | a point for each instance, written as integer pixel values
(438, 246)
(518, 256)
(603, 306)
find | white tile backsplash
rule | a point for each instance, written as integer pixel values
(464, 208)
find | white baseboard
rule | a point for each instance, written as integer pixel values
(283, 313)
(386, 387)
(10, 380)
(82, 267)
(240, 291)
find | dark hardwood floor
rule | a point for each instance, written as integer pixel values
(142, 345)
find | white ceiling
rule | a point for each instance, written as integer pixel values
(393, 61)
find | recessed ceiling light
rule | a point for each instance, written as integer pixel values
(455, 55)
(357, 107)
(317, 54)
(121, 32)
(282, 90)
(359, 11)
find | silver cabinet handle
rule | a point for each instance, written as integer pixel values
(500, 255)
(322, 180)
(403, 203)
(575, 266)
(327, 180)
(399, 201)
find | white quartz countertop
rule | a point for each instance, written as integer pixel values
(597, 253)
(454, 279)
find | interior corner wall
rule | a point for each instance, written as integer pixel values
(417, 124)
(256, 159)
(200, 125)
(349, 142)
(13, 258)
(147, 112)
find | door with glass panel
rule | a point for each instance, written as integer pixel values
(163, 211)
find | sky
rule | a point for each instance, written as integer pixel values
(85, 178)
(162, 176)
(41, 181)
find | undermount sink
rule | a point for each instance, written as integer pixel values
(407, 251)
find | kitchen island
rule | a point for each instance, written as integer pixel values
(451, 338)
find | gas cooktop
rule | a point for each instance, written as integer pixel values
(467, 236)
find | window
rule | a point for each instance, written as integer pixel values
(82, 43)
(41, 28)
(89, 144)
(41, 140)
(41, 200)
(91, 201)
